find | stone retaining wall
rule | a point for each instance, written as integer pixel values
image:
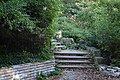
(26, 71)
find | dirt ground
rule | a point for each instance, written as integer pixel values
(82, 74)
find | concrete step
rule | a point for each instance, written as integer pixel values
(74, 66)
(71, 57)
(73, 61)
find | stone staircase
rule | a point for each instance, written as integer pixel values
(56, 46)
(72, 59)
(69, 58)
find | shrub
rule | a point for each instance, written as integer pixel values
(101, 21)
(25, 25)
(96, 22)
(69, 28)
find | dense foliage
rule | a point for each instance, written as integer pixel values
(109, 40)
(95, 21)
(67, 21)
(28, 25)
(25, 25)
(102, 22)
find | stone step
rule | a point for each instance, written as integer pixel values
(60, 46)
(80, 53)
(73, 61)
(53, 40)
(56, 43)
(74, 66)
(71, 57)
(71, 52)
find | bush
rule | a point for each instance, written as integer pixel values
(102, 23)
(96, 22)
(25, 25)
(68, 21)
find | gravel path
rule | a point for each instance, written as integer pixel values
(84, 74)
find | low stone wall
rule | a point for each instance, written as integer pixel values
(26, 71)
